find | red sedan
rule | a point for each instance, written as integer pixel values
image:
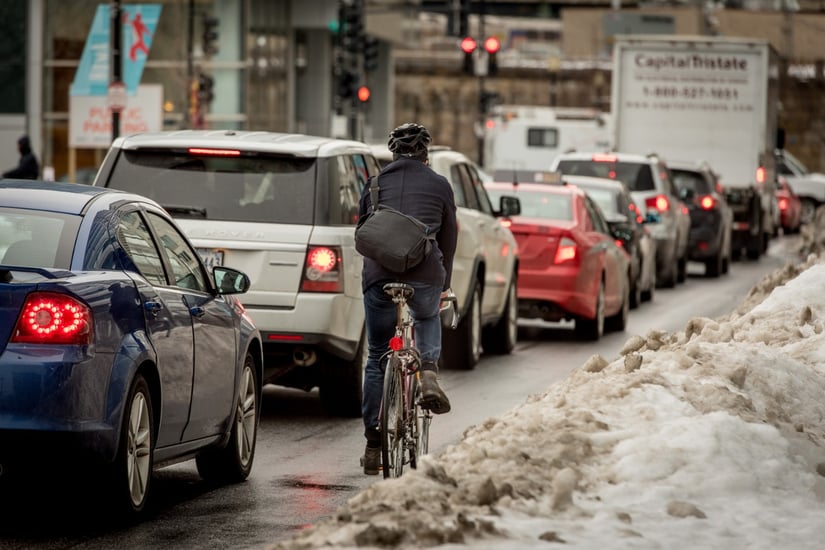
(790, 207)
(571, 267)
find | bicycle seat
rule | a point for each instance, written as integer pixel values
(396, 289)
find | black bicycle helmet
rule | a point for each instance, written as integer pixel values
(409, 139)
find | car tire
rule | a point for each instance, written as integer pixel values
(500, 339)
(130, 476)
(618, 322)
(755, 246)
(681, 269)
(342, 383)
(636, 292)
(592, 329)
(232, 463)
(461, 348)
(714, 266)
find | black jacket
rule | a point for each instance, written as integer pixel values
(415, 189)
(28, 168)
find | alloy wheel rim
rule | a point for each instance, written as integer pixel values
(138, 449)
(245, 418)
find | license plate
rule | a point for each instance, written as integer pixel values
(211, 257)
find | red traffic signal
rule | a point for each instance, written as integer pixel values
(492, 44)
(363, 94)
(468, 45)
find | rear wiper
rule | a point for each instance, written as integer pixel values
(185, 210)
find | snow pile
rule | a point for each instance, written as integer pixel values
(711, 437)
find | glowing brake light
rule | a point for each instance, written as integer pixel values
(507, 223)
(322, 270)
(783, 204)
(707, 202)
(760, 174)
(50, 318)
(604, 157)
(214, 152)
(659, 202)
(566, 251)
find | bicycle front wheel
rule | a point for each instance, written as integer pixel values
(420, 426)
(392, 420)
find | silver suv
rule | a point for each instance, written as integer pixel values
(485, 267)
(649, 181)
(282, 208)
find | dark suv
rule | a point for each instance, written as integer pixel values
(649, 181)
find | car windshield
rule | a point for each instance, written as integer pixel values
(257, 188)
(32, 238)
(690, 180)
(537, 204)
(607, 200)
(635, 175)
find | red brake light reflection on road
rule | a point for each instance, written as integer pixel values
(214, 152)
(49, 318)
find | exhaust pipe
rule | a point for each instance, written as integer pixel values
(304, 358)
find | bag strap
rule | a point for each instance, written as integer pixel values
(374, 193)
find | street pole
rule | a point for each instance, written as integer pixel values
(190, 62)
(116, 46)
(482, 102)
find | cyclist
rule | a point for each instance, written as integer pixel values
(408, 184)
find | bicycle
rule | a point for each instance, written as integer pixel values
(404, 424)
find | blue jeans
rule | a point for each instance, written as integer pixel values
(380, 314)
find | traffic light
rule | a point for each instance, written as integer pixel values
(492, 46)
(363, 94)
(468, 46)
(206, 86)
(353, 25)
(370, 53)
(210, 35)
(345, 85)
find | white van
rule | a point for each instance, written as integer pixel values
(521, 138)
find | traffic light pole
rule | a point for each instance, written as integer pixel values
(482, 93)
(116, 47)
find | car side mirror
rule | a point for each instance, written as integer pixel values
(230, 281)
(509, 206)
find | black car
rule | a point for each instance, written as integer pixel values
(711, 218)
(626, 222)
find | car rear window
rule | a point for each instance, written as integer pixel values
(635, 175)
(36, 239)
(256, 188)
(537, 204)
(689, 179)
(607, 200)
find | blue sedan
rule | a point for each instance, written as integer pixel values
(117, 347)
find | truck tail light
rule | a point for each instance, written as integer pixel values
(51, 318)
(322, 270)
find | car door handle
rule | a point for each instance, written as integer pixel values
(152, 308)
(197, 311)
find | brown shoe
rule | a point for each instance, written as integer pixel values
(371, 461)
(432, 396)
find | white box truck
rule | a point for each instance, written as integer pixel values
(705, 98)
(521, 141)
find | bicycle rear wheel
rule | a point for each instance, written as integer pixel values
(420, 426)
(392, 421)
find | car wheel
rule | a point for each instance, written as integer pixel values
(755, 246)
(807, 212)
(681, 269)
(342, 383)
(461, 348)
(130, 477)
(233, 462)
(592, 329)
(714, 266)
(636, 292)
(501, 338)
(618, 322)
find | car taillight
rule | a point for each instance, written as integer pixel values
(214, 152)
(620, 243)
(604, 157)
(659, 202)
(507, 223)
(760, 174)
(566, 252)
(783, 204)
(50, 318)
(707, 202)
(322, 270)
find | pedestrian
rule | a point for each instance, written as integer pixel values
(408, 184)
(28, 168)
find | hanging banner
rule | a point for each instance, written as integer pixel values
(139, 23)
